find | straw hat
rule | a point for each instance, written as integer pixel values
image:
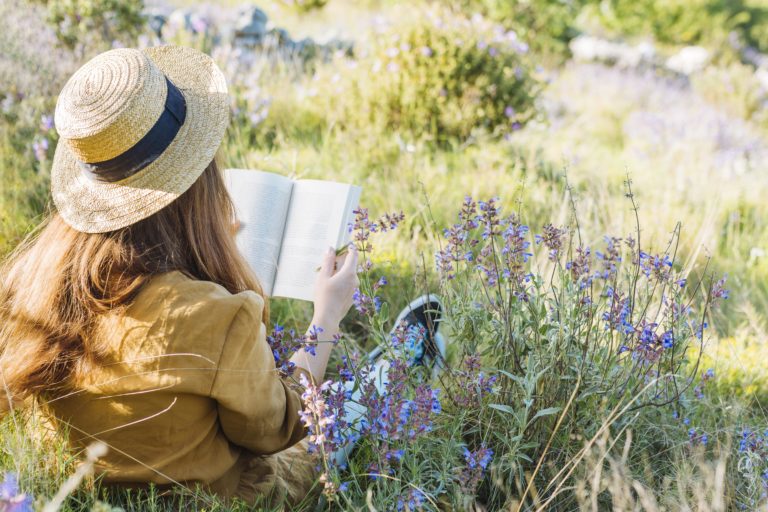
(137, 128)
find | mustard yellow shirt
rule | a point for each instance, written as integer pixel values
(189, 386)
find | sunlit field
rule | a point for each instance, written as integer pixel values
(583, 183)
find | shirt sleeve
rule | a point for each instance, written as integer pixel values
(258, 409)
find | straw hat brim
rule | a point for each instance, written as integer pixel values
(95, 207)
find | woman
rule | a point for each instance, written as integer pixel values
(130, 312)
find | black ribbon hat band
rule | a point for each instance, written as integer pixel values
(148, 148)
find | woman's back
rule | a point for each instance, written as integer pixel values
(181, 368)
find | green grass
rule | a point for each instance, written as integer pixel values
(682, 146)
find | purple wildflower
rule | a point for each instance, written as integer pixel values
(552, 238)
(609, 259)
(473, 384)
(40, 148)
(477, 462)
(657, 266)
(364, 304)
(323, 415)
(285, 343)
(11, 500)
(46, 123)
(413, 500)
(580, 266)
(719, 292)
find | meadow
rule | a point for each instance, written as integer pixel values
(597, 228)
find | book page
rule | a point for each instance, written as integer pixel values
(261, 201)
(317, 218)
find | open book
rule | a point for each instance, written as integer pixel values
(287, 225)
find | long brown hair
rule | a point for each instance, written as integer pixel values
(58, 280)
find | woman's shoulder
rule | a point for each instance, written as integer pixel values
(183, 309)
(175, 322)
(180, 290)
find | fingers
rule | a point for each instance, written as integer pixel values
(329, 262)
(350, 262)
(340, 260)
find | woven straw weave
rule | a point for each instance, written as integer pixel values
(107, 106)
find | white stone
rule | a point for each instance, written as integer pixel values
(689, 60)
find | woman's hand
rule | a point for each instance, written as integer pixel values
(334, 288)
(333, 298)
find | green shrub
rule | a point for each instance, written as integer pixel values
(554, 346)
(436, 76)
(78, 20)
(546, 25)
(27, 142)
(688, 22)
(306, 6)
(734, 88)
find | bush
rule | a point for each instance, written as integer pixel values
(555, 344)
(27, 142)
(76, 21)
(306, 6)
(546, 25)
(688, 22)
(744, 96)
(439, 77)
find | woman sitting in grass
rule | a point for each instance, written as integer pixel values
(131, 316)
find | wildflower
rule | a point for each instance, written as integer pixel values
(655, 266)
(364, 304)
(282, 349)
(699, 329)
(579, 267)
(284, 343)
(609, 259)
(459, 244)
(617, 316)
(667, 340)
(489, 217)
(198, 24)
(310, 340)
(362, 227)
(323, 415)
(413, 500)
(11, 500)
(695, 438)
(392, 52)
(390, 221)
(395, 414)
(477, 462)
(552, 238)
(473, 384)
(426, 51)
(40, 148)
(46, 123)
(719, 292)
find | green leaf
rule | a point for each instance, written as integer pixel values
(502, 408)
(546, 412)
